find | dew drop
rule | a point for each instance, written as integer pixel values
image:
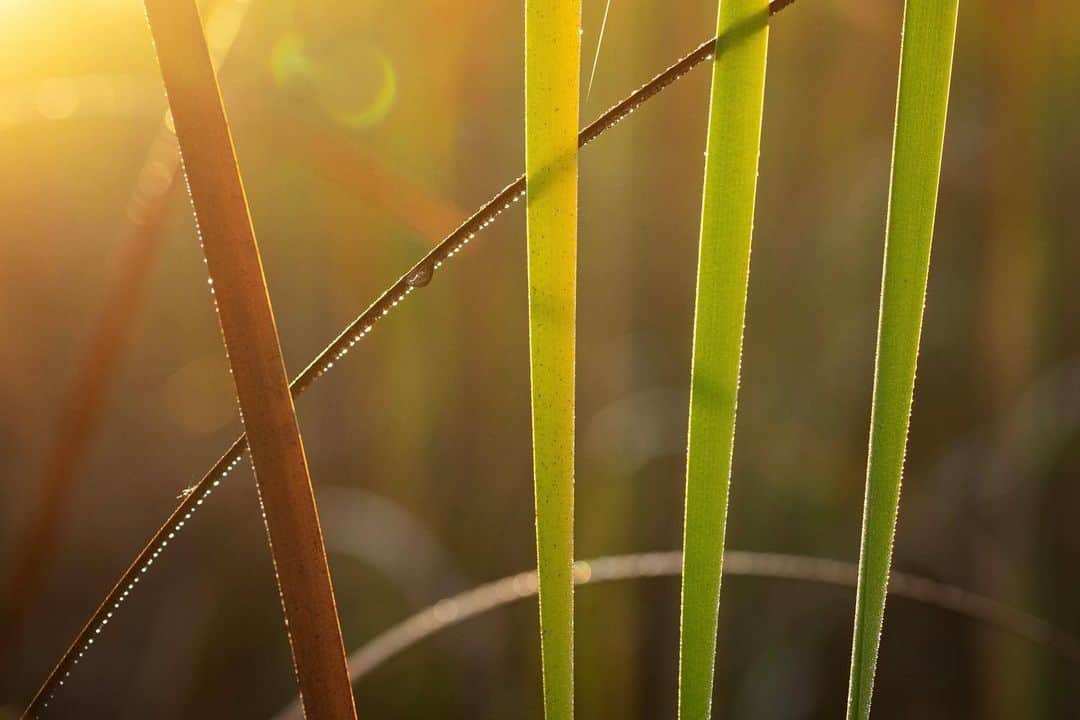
(421, 277)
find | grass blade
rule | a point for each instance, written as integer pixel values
(251, 340)
(552, 77)
(727, 220)
(922, 101)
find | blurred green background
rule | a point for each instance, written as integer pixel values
(365, 132)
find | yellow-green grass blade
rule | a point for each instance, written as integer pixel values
(727, 219)
(922, 101)
(552, 72)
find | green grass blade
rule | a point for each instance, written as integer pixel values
(552, 71)
(922, 101)
(727, 219)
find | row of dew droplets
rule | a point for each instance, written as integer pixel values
(142, 570)
(200, 494)
(420, 276)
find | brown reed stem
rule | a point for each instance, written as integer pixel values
(253, 347)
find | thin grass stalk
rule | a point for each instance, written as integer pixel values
(251, 340)
(419, 275)
(599, 45)
(552, 76)
(921, 105)
(727, 223)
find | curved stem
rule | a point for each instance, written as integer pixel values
(489, 596)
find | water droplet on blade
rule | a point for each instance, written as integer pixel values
(420, 277)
